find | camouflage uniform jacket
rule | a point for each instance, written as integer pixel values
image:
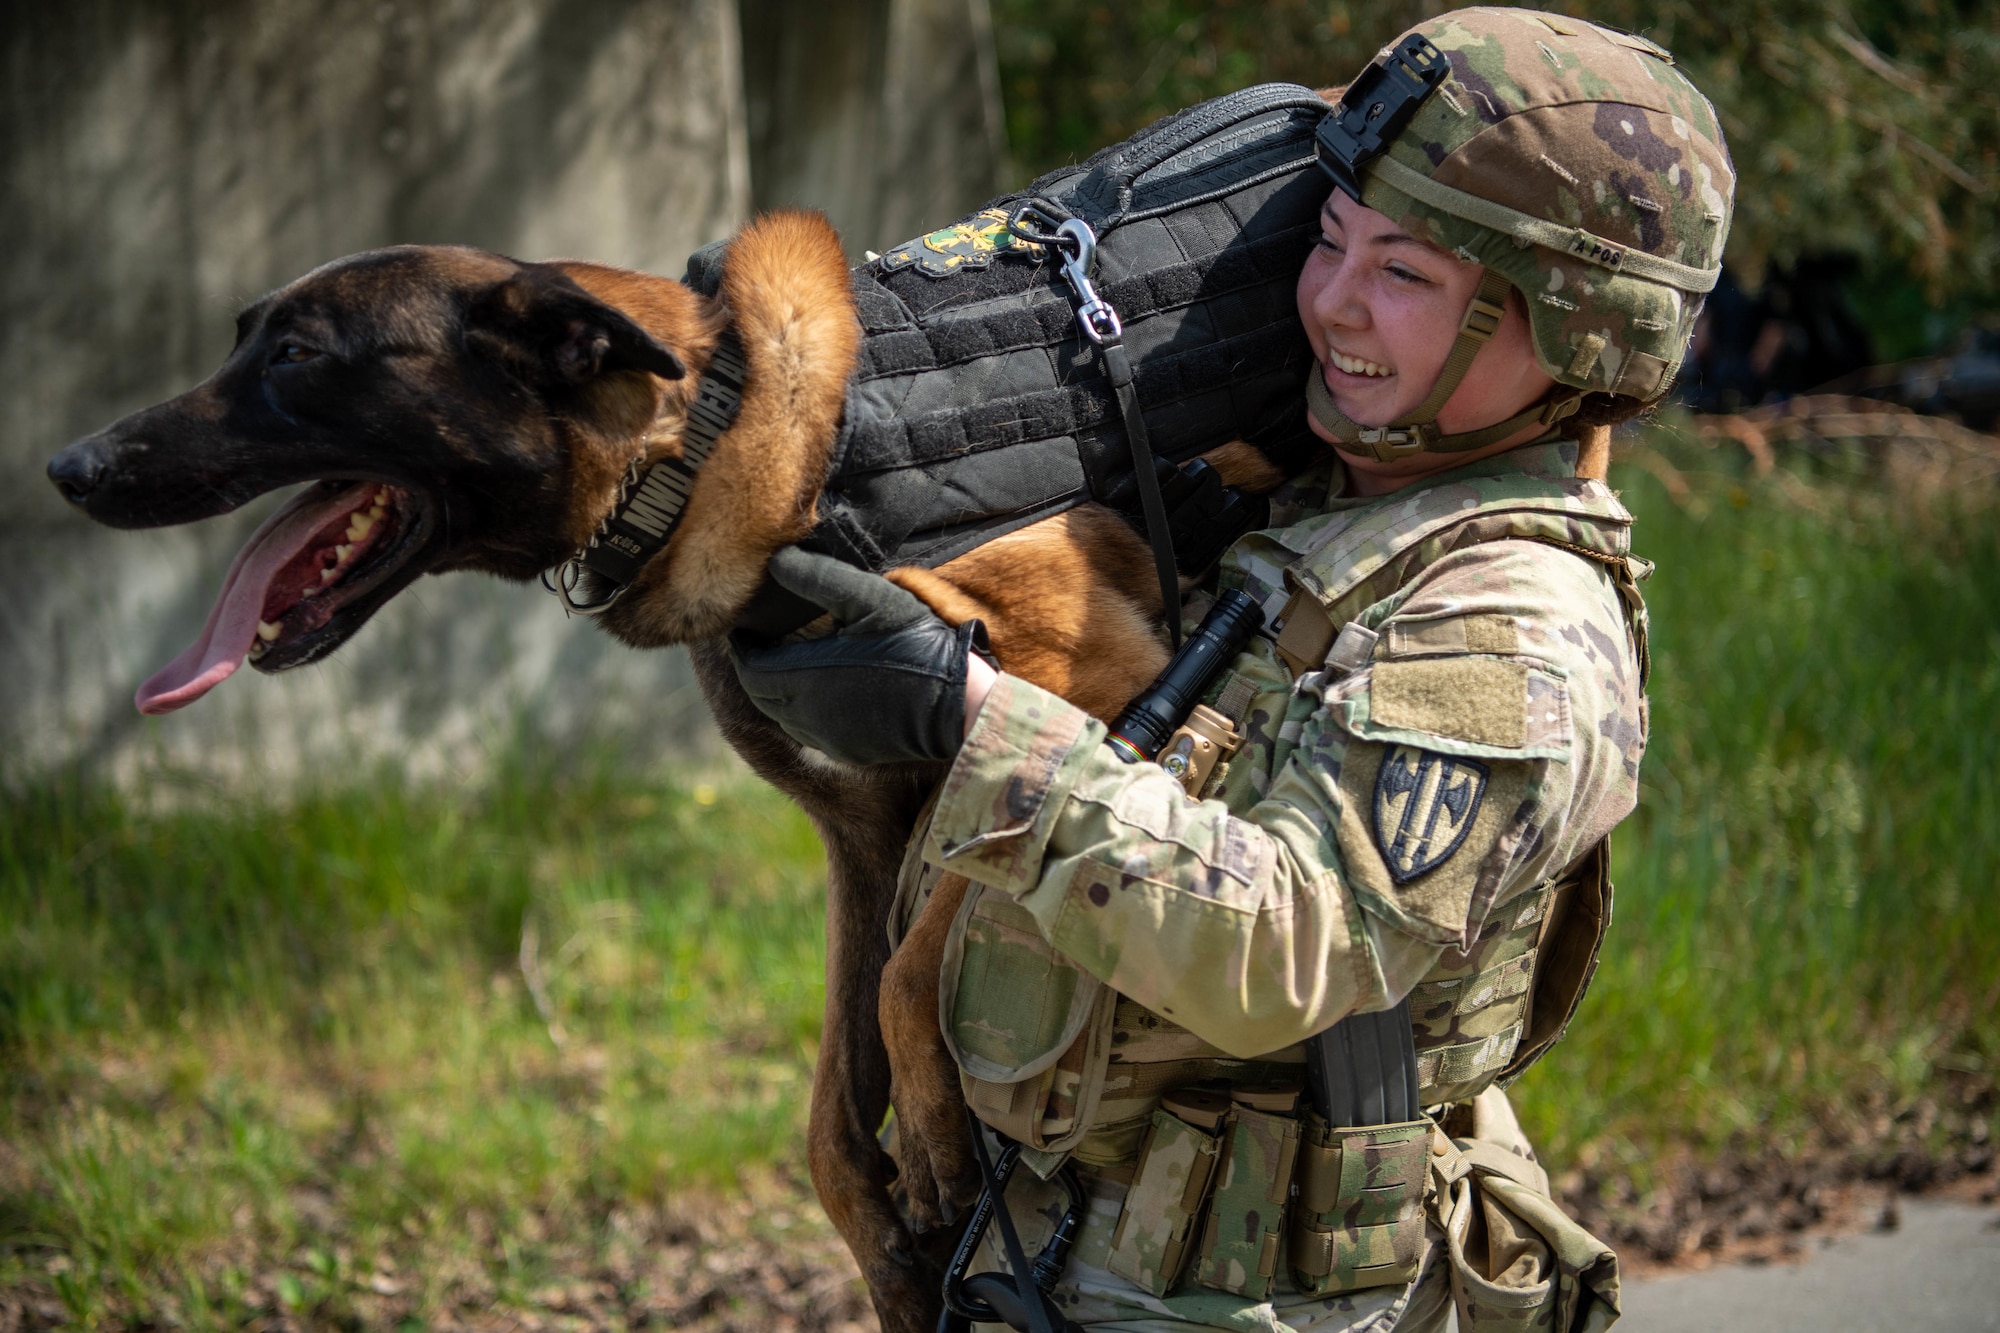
(1394, 824)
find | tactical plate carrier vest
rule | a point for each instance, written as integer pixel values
(977, 406)
(1087, 1078)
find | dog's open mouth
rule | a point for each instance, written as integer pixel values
(330, 548)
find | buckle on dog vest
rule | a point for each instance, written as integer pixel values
(653, 500)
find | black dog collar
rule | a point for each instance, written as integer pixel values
(654, 499)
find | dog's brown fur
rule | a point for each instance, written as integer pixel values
(1069, 603)
(512, 473)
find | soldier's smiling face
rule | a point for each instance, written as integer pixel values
(1382, 310)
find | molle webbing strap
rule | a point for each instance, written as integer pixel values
(975, 408)
(1238, 693)
(1314, 618)
(1572, 241)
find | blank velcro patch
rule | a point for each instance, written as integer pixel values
(1478, 699)
(1453, 634)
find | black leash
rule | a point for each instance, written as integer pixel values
(1020, 1297)
(1073, 239)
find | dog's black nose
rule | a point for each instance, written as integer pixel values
(77, 470)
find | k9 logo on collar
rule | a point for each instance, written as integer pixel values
(1424, 806)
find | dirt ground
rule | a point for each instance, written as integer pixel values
(1761, 1204)
(770, 1262)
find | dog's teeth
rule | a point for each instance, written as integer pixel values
(382, 497)
(326, 575)
(357, 527)
(340, 553)
(268, 631)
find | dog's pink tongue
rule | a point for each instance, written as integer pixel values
(232, 622)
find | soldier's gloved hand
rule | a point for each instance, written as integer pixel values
(887, 686)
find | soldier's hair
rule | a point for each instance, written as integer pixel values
(1604, 409)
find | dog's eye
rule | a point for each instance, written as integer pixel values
(290, 354)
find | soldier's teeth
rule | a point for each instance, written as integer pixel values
(1355, 365)
(267, 631)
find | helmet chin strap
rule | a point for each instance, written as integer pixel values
(1418, 432)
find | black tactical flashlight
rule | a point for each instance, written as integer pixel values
(1152, 718)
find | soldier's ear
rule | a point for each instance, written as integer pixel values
(550, 333)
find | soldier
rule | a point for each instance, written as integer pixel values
(1448, 722)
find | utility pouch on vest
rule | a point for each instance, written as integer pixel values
(1244, 1233)
(1157, 1227)
(1359, 1216)
(1518, 1262)
(1029, 1029)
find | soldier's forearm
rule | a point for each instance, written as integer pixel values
(1239, 928)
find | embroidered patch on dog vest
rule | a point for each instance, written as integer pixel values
(970, 244)
(1424, 806)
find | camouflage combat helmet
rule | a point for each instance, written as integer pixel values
(1575, 163)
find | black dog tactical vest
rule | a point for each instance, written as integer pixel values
(977, 406)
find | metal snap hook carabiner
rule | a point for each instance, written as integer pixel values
(1099, 320)
(1076, 244)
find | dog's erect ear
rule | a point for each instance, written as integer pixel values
(550, 332)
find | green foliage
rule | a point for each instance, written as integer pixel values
(1871, 127)
(1805, 907)
(235, 1036)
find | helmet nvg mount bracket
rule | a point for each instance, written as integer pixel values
(1576, 164)
(1376, 108)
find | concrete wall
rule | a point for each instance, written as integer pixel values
(883, 113)
(161, 164)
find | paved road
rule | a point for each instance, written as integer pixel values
(1940, 1270)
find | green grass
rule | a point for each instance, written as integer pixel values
(1809, 895)
(287, 1046)
(257, 1054)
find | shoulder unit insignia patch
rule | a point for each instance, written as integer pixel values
(1424, 806)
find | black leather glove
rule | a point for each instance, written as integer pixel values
(887, 686)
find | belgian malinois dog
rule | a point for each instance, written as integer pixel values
(459, 410)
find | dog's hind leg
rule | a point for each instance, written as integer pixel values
(863, 817)
(851, 1083)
